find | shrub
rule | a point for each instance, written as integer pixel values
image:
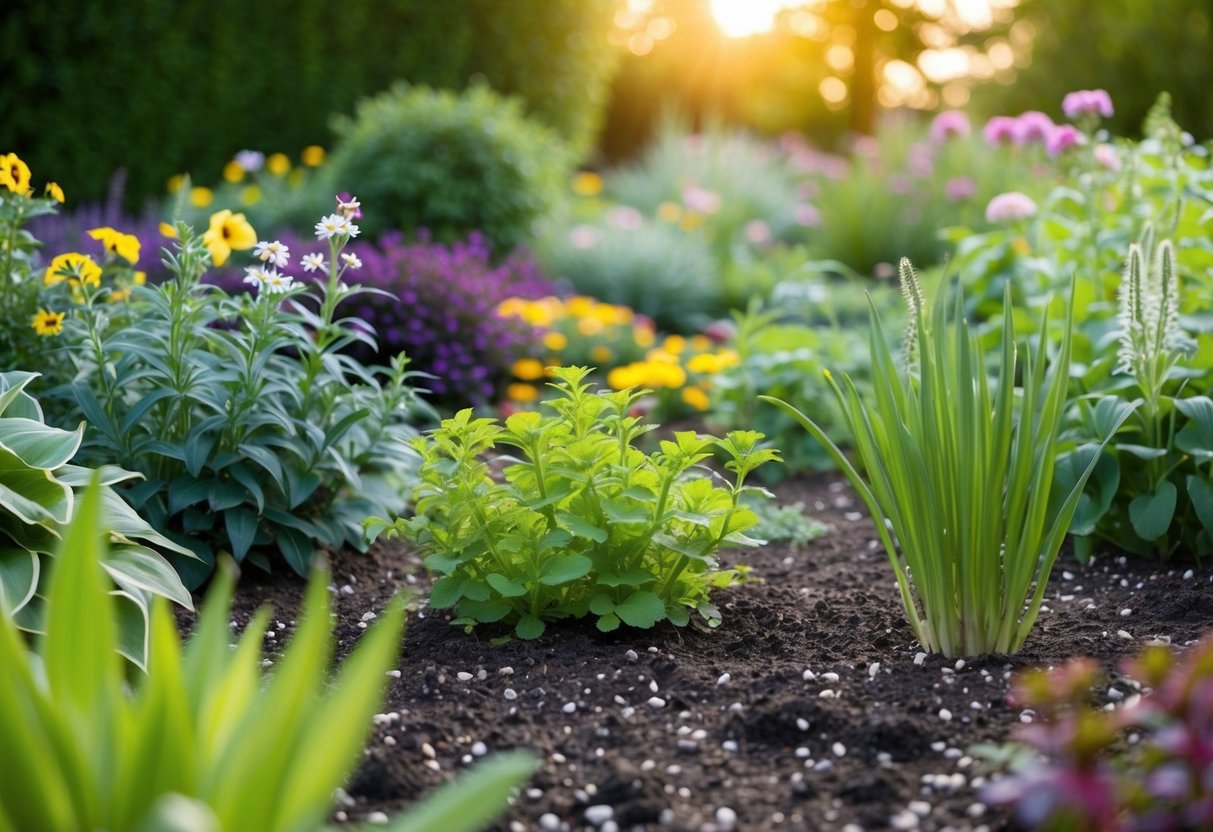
(1078, 774)
(584, 523)
(200, 740)
(450, 163)
(959, 475)
(254, 432)
(38, 500)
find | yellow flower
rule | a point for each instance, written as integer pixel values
(125, 246)
(201, 197)
(312, 156)
(55, 192)
(669, 211)
(228, 232)
(118, 295)
(674, 343)
(48, 323)
(167, 230)
(621, 378)
(660, 356)
(601, 354)
(589, 326)
(587, 183)
(696, 398)
(644, 336)
(278, 164)
(666, 375)
(233, 171)
(528, 369)
(581, 306)
(175, 183)
(140, 278)
(1021, 247)
(250, 195)
(701, 343)
(522, 392)
(14, 174)
(77, 269)
(555, 341)
(705, 363)
(511, 307)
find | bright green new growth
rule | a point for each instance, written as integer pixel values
(584, 523)
(38, 500)
(960, 473)
(199, 743)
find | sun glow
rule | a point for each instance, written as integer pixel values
(743, 18)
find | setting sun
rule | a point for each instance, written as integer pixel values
(742, 18)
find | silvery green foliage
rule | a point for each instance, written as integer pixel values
(1151, 338)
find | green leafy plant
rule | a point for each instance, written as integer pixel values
(199, 742)
(452, 163)
(788, 524)
(960, 473)
(1150, 492)
(38, 500)
(255, 433)
(584, 523)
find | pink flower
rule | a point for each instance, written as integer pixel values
(1082, 103)
(625, 217)
(960, 188)
(1001, 130)
(1106, 157)
(701, 200)
(1010, 207)
(949, 124)
(1032, 126)
(1063, 137)
(758, 232)
(806, 215)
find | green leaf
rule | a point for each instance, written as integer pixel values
(582, 527)
(601, 604)
(504, 586)
(1201, 494)
(138, 568)
(632, 577)
(641, 609)
(241, 524)
(608, 623)
(39, 445)
(554, 540)
(617, 511)
(1141, 451)
(564, 568)
(296, 548)
(529, 627)
(447, 591)
(472, 802)
(185, 491)
(1151, 514)
(19, 570)
(1099, 492)
(1196, 437)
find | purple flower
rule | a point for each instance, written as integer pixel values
(1032, 126)
(1010, 207)
(949, 124)
(1001, 130)
(1062, 138)
(1083, 103)
(960, 188)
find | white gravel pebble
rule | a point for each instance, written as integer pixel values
(919, 807)
(599, 814)
(1126, 612)
(730, 746)
(1189, 575)
(904, 820)
(839, 749)
(510, 694)
(631, 656)
(377, 818)
(919, 658)
(724, 679)
(829, 678)
(873, 669)
(549, 822)
(656, 702)
(479, 749)
(808, 675)
(726, 819)
(463, 676)
(945, 714)
(1124, 634)
(569, 707)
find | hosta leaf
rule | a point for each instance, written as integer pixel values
(38, 445)
(19, 570)
(641, 609)
(1141, 451)
(296, 547)
(1100, 490)
(529, 627)
(185, 491)
(139, 568)
(241, 524)
(1196, 437)
(1151, 514)
(564, 568)
(78, 477)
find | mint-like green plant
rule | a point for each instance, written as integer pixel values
(584, 522)
(199, 742)
(960, 473)
(38, 500)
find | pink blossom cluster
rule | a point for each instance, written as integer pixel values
(1083, 103)
(1010, 207)
(1032, 127)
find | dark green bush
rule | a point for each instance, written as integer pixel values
(451, 163)
(160, 88)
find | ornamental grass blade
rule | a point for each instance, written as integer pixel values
(473, 801)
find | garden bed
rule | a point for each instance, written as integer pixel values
(809, 708)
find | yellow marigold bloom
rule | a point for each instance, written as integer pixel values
(581, 306)
(621, 378)
(511, 307)
(48, 323)
(666, 375)
(175, 183)
(55, 192)
(555, 341)
(660, 356)
(701, 343)
(14, 174)
(527, 369)
(587, 183)
(126, 246)
(696, 398)
(201, 197)
(674, 343)
(228, 232)
(522, 392)
(669, 211)
(312, 156)
(167, 230)
(77, 269)
(601, 354)
(645, 337)
(250, 195)
(705, 363)
(728, 358)
(233, 171)
(278, 164)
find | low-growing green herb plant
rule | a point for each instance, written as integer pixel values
(788, 524)
(960, 472)
(254, 432)
(200, 742)
(1150, 492)
(584, 523)
(1072, 770)
(38, 499)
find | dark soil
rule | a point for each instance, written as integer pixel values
(807, 709)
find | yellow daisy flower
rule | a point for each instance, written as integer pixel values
(528, 369)
(228, 232)
(55, 192)
(126, 246)
(77, 269)
(312, 156)
(278, 164)
(48, 323)
(696, 398)
(14, 174)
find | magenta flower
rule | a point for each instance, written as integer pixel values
(1063, 137)
(1032, 126)
(1010, 207)
(949, 124)
(960, 188)
(1001, 130)
(1082, 103)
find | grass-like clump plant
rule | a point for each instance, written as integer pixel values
(959, 471)
(200, 742)
(584, 523)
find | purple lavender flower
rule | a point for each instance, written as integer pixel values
(1083, 103)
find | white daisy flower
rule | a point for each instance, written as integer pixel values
(274, 253)
(276, 283)
(314, 262)
(351, 260)
(334, 225)
(254, 276)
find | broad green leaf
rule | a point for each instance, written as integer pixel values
(241, 524)
(562, 569)
(633, 577)
(1141, 451)
(1201, 494)
(529, 627)
(608, 623)
(504, 586)
(581, 527)
(447, 591)
(1151, 514)
(19, 570)
(137, 567)
(641, 609)
(39, 445)
(601, 604)
(296, 548)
